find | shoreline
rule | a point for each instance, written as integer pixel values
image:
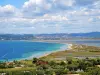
(65, 46)
(68, 48)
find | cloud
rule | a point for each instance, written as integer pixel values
(7, 11)
(40, 16)
(63, 4)
(41, 7)
(85, 2)
(54, 17)
(97, 5)
(36, 7)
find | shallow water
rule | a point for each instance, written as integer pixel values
(15, 50)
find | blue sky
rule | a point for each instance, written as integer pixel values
(49, 16)
(16, 3)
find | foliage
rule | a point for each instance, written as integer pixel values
(70, 66)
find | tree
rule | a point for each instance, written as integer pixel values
(72, 67)
(49, 72)
(3, 65)
(63, 63)
(61, 71)
(52, 63)
(40, 72)
(35, 60)
(94, 71)
(11, 65)
(69, 61)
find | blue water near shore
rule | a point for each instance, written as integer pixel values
(16, 50)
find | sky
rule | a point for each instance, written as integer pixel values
(49, 16)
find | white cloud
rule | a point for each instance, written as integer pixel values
(90, 19)
(65, 3)
(41, 7)
(54, 17)
(97, 4)
(98, 17)
(7, 11)
(36, 7)
(50, 15)
(8, 8)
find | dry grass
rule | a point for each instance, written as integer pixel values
(76, 51)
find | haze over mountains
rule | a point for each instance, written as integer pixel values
(89, 35)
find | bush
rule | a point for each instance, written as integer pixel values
(40, 72)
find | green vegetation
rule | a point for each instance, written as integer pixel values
(85, 48)
(76, 51)
(75, 61)
(53, 67)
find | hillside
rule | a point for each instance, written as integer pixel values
(56, 36)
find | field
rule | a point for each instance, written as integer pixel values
(76, 51)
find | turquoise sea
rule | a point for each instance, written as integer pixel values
(16, 50)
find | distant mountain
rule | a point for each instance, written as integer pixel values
(16, 37)
(71, 35)
(90, 35)
(49, 36)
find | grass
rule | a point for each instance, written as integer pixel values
(27, 62)
(85, 48)
(76, 51)
(17, 69)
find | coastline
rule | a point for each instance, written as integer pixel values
(65, 46)
(68, 48)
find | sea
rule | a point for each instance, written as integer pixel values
(18, 50)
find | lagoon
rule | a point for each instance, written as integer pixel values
(18, 50)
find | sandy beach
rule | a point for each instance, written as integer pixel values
(67, 48)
